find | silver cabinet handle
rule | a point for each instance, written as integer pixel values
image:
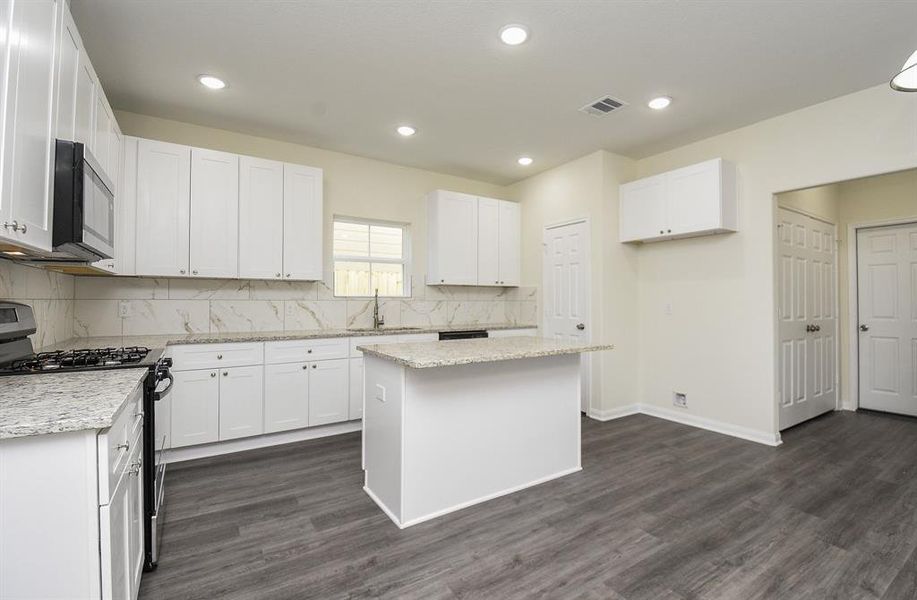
(864, 327)
(305, 367)
(314, 366)
(581, 326)
(219, 357)
(225, 373)
(213, 374)
(194, 272)
(182, 271)
(135, 467)
(22, 228)
(309, 351)
(125, 446)
(288, 275)
(278, 275)
(6, 224)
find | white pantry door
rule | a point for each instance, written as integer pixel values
(807, 293)
(566, 292)
(887, 299)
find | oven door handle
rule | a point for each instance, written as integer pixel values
(157, 396)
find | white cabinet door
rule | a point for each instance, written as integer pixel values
(302, 222)
(643, 209)
(329, 399)
(163, 203)
(214, 214)
(693, 199)
(126, 215)
(114, 171)
(68, 71)
(488, 241)
(286, 397)
(195, 408)
(452, 238)
(86, 88)
(30, 120)
(241, 402)
(356, 388)
(261, 232)
(114, 531)
(135, 520)
(101, 141)
(510, 243)
(163, 423)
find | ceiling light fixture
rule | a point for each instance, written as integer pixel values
(513, 35)
(525, 161)
(659, 103)
(906, 79)
(406, 131)
(212, 82)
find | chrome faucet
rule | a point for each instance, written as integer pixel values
(377, 320)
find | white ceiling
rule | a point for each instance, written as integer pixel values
(341, 74)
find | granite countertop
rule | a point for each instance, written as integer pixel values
(161, 341)
(58, 402)
(424, 355)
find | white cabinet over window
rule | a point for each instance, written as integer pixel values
(696, 200)
(214, 240)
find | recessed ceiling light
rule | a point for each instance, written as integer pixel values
(513, 35)
(659, 103)
(209, 81)
(406, 131)
(906, 80)
(525, 160)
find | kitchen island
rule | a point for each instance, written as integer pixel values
(450, 424)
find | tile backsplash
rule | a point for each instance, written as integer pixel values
(50, 295)
(151, 306)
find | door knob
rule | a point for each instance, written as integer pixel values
(864, 327)
(581, 326)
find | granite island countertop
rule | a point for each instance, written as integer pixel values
(425, 355)
(161, 341)
(57, 402)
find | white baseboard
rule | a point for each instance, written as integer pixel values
(261, 441)
(686, 418)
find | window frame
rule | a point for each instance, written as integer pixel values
(404, 261)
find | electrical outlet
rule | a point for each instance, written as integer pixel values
(668, 308)
(125, 309)
(680, 399)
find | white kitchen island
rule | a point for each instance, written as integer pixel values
(450, 424)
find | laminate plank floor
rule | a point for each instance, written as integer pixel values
(660, 511)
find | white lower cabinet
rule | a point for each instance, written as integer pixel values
(195, 407)
(121, 532)
(356, 388)
(241, 402)
(329, 398)
(286, 397)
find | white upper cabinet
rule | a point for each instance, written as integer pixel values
(68, 72)
(452, 238)
(472, 240)
(302, 222)
(29, 38)
(214, 241)
(260, 218)
(696, 200)
(163, 205)
(510, 243)
(85, 101)
(126, 210)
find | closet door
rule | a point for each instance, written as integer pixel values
(214, 214)
(261, 234)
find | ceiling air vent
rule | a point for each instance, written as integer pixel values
(603, 106)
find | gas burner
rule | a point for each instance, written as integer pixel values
(64, 360)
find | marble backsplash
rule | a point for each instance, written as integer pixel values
(154, 306)
(50, 295)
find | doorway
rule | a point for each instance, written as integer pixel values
(567, 287)
(886, 296)
(807, 317)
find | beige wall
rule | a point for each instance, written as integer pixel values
(718, 345)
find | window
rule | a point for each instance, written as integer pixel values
(370, 256)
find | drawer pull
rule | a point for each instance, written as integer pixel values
(225, 373)
(135, 467)
(213, 374)
(219, 357)
(125, 446)
(309, 351)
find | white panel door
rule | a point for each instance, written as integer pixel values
(195, 407)
(214, 214)
(286, 397)
(30, 120)
(488, 241)
(887, 299)
(329, 397)
(260, 218)
(455, 228)
(693, 198)
(163, 208)
(510, 243)
(566, 292)
(807, 288)
(356, 388)
(643, 209)
(241, 402)
(302, 222)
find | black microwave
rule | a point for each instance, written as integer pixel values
(84, 204)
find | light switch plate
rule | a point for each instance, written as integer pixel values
(125, 309)
(380, 392)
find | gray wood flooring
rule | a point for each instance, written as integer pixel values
(660, 511)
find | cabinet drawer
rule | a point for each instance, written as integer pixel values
(215, 356)
(116, 443)
(370, 340)
(289, 351)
